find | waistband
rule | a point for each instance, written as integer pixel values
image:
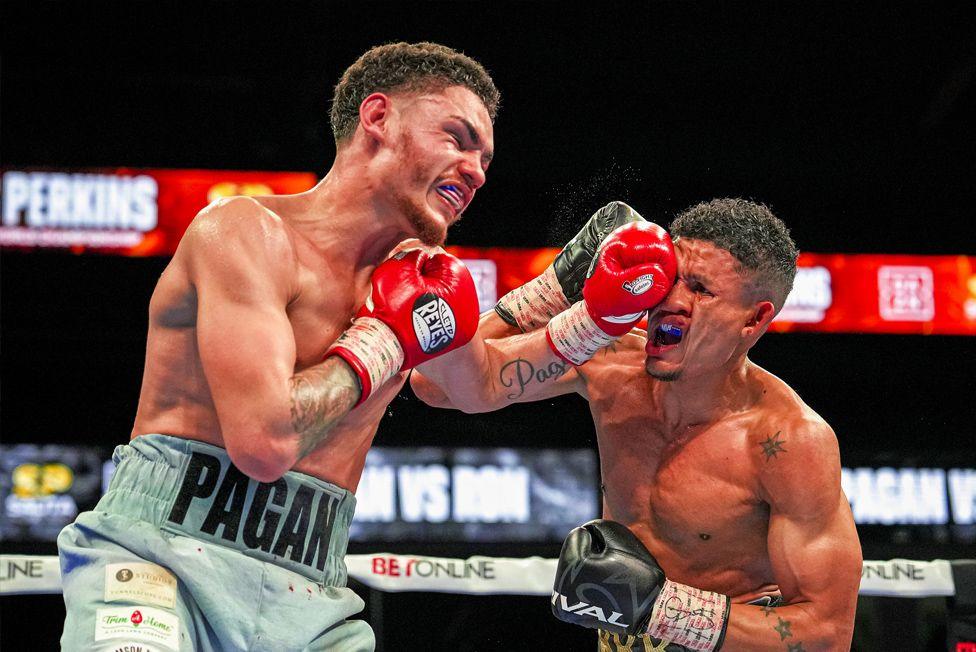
(191, 488)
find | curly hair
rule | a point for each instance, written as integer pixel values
(756, 238)
(410, 67)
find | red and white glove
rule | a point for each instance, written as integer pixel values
(421, 305)
(632, 272)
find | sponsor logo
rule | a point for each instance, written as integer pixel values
(39, 492)
(893, 571)
(218, 503)
(46, 200)
(639, 285)
(12, 569)
(485, 275)
(231, 189)
(906, 293)
(810, 297)
(421, 567)
(585, 609)
(143, 623)
(140, 582)
(433, 323)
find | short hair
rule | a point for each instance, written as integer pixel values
(407, 67)
(756, 238)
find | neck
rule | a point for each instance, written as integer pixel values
(704, 399)
(349, 215)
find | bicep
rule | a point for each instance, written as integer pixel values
(813, 545)
(245, 339)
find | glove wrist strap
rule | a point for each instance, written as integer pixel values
(376, 351)
(575, 336)
(693, 618)
(531, 306)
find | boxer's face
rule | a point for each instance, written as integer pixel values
(710, 306)
(443, 144)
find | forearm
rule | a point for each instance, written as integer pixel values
(320, 397)
(490, 374)
(789, 628)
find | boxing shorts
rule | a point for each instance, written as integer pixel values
(185, 552)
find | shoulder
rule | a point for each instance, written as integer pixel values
(799, 457)
(620, 357)
(240, 227)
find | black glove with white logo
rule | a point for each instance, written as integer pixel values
(606, 579)
(532, 305)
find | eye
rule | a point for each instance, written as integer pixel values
(455, 138)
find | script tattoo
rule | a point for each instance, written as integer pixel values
(320, 397)
(773, 445)
(520, 373)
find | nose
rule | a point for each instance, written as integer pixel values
(678, 300)
(471, 170)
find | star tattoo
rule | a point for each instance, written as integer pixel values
(798, 647)
(783, 627)
(766, 609)
(773, 445)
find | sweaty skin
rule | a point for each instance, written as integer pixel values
(259, 288)
(727, 477)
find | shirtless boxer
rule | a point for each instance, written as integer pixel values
(227, 519)
(725, 521)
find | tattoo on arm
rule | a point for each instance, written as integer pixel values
(520, 373)
(320, 397)
(782, 627)
(773, 445)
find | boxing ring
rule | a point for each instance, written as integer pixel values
(954, 580)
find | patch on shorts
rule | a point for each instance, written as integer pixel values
(140, 582)
(138, 624)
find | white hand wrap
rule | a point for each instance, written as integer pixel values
(532, 305)
(574, 336)
(689, 617)
(376, 347)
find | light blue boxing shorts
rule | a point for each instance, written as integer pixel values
(185, 552)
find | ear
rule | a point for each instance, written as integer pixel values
(374, 115)
(760, 318)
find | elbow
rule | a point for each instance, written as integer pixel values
(833, 635)
(434, 396)
(258, 457)
(428, 392)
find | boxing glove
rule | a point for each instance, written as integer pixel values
(632, 271)
(421, 305)
(532, 305)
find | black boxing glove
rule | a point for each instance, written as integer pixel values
(532, 305)
(606, 579)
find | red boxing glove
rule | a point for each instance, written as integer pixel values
(632, 272)
(420, 306)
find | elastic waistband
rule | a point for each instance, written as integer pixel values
(190, 488)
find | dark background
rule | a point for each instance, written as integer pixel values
(853, 123)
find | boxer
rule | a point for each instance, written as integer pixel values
(278, 334)
(724, 523)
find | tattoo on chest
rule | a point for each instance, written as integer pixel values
(520, 373)
(773, 445)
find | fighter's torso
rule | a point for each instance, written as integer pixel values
(176, 400)
(692, 496)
